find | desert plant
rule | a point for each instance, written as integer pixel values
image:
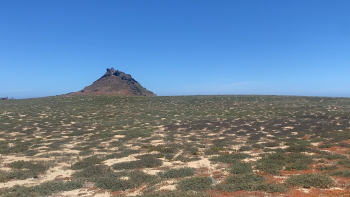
(324, 168)
(341, 173)
(195, 183)
(248, 182)
(344, 162)
(270, 187)
(301, 164)
(272, 163)
(44, 189)
(177, 173)
(212, 151)
(326, 145)
(175, 194)
(23, 170)
(114, 181)
(245, 148)
(297, 148)
(271, 144)
(241, 168)
(92, 172)
(30, 152)
(310, 180)
(244, 179)
(330, 156)
(89, 161)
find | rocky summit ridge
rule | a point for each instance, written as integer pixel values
(115, 82)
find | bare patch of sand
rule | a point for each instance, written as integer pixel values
(83, 192)
(110, 162)
(203, 162)
(119, 136)
(151, 171)
(124, 178)
(157, 142)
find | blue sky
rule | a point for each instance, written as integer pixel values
(177, 47)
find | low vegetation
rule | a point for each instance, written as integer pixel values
(175, 146)
(310, 180)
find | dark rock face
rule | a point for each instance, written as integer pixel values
(115, 82)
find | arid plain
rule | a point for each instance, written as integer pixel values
(229, 145)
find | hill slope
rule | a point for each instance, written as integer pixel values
(115, 82)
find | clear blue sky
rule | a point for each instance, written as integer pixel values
(177, 47)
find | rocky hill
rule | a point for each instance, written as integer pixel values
(115, 82)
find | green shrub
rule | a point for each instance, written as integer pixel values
(259, 146)
(256, 136)
(185, 158)
(230, 187)
(272, 163)
(113, 181)
(270, 187)
(294, 157)
(220, 143)
(91, 173)
(22, 174)
(48, 188)
(30, 152)
(89, 161)
(177, 173)
(245, 148)
(164, 149)
(241, 168)
(326, 145)
(301, 164)
(293, 141)
(86, 152)
(324, 168)
(169, 156)
(213, 151)
(103, 134)
(248, 182)
(23, 170)
(331, 156)
(19, 147)
(35, 167)
(344, 162)
(44, 189)
(3, 176)
(17, 191)
(244, 178)
(310, 180)
(195, 183)
(175, 194)
(344, 145)
(341, 173)
(297, 148)
(78, 133)
(271, 144)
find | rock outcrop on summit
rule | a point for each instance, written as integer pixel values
(115, 82)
